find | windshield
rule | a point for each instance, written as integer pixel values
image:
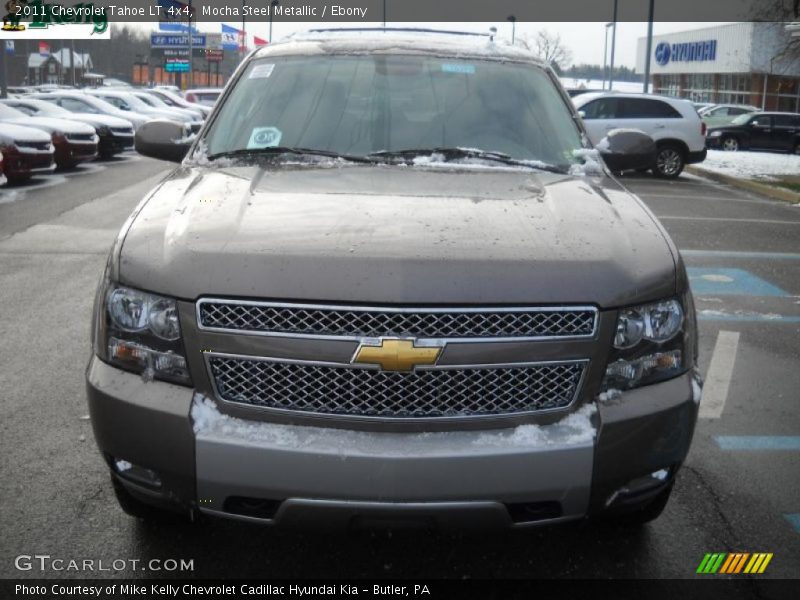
(742, 119)
(6, 112)
(45, 108)
(359, 105)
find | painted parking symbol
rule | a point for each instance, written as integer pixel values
(719, 282)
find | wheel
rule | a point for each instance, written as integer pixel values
(730, 144)
(136, 508)
(638, 517)
(669, 161)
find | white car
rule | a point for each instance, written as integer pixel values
(129, 102)
(674, 124)
(86, 103)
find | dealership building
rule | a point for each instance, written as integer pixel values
(738, 63)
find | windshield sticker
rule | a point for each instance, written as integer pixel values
(262, 71)
(458, 68)
(264, 137)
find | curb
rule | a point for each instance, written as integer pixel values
(764, 189)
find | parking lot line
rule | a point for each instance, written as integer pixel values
(727, 219)
(725, 281)
(740, 254)
(721, 315)
(758, 442)
(720, 372)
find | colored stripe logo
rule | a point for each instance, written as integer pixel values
(732, 563)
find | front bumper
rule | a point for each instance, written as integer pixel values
(114, 144)
(287, 474)
(696, 157)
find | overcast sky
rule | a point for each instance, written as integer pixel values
(585, 40)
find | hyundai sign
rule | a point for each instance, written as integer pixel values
(686, 52)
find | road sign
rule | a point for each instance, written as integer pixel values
(176, 65)
(161, 40)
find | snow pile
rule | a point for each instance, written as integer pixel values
(592, 163)
(576, 428)
(609, 395)
(762, 166)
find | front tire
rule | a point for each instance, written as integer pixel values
(730, 144)
(670, 160)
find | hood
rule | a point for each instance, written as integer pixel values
(52, 124)
(389, 234)
(18, 133)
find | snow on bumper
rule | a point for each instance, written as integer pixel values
(434, 474)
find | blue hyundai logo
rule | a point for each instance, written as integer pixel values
(662, 53)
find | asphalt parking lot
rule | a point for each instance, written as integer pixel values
(738, 492)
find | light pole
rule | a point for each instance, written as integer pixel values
(243, 43)
(272, 6)
(191, 49)
(605, 57)
(649, 50)
(513, 20)
(613, 46)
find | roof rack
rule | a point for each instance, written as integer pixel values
(400, 29)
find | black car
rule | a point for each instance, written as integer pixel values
(758, 131)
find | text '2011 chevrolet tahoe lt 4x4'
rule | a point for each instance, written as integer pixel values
(392, 282)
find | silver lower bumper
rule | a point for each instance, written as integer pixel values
(340, 477)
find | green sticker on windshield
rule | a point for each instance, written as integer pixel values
(264, 137)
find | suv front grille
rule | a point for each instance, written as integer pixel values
(355, 322)
(423, 393)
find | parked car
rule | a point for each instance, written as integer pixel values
(406, 313)
(115, 135)
(177, 101)
(673, 123)
(722, 114)
(204, 96)
(129, 102)
(26, 152)
(80, 102)
(701, 107)
(196, 117)
(758, 131)
(74, 142)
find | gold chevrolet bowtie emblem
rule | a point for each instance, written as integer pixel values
(397, 355)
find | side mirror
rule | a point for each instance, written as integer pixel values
(627, 149)
(164, 140)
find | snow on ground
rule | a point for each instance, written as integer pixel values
(764, 166)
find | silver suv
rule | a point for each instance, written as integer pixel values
(679, 132)
(391, 282)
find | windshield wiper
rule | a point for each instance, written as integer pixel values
(274, 150)
(456, 152)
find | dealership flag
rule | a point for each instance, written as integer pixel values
(258, 41)
(10, 46)
(44, 49)
(231, 37)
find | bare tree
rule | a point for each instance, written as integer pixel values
(784, 15)
(548, 47)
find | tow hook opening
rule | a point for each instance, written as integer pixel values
(529, 512)
(260, 508)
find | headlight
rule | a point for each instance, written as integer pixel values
(714, 133)
(652, 342)
(141, 332)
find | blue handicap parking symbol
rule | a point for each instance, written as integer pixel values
(720, 282)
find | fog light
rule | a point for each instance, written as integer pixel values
(630, 373)
(137, 474)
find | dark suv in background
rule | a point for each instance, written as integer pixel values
(760, 131)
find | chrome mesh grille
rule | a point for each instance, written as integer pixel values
(343, 321)
(424, 393)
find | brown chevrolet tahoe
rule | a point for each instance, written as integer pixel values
(391, 282)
